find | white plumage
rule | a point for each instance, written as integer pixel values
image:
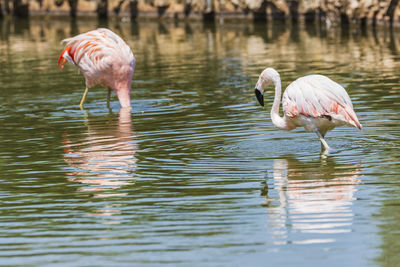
(315, 102)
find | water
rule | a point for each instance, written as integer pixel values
(196, 174)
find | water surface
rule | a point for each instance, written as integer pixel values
(196, 174)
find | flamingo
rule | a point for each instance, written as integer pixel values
(315, 102)
(104, 59)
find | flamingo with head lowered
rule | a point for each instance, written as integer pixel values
(104, 59)
(315, 102)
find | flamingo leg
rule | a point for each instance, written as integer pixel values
(83, 97)
(324, 144)
(108, 97)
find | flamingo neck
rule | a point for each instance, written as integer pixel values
(277, 120)
(124, 97)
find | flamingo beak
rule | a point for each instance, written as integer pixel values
(260, 97)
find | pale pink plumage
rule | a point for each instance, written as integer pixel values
(315, 102)
(104, 59)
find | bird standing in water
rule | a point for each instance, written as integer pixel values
(104, 59)
(315, 102)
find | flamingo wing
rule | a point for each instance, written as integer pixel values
(318, 96)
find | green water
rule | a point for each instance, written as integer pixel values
(196, 174)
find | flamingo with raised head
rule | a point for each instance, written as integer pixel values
(315, 102)
(104, 59)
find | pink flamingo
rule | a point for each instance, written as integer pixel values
(315, 102)
(104, 59)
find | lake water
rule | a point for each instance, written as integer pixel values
(196, 174)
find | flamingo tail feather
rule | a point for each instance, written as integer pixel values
(65, 56)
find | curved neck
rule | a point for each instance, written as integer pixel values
(277, 120)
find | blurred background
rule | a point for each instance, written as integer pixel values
(330, 11)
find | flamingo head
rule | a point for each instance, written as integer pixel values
(121, 84)
(123, 93)
(267, 77)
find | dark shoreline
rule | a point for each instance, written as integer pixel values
(225, 16)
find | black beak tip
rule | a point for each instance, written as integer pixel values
(259, 96)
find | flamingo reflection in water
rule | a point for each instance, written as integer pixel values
(309, 202)
(105, 159)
